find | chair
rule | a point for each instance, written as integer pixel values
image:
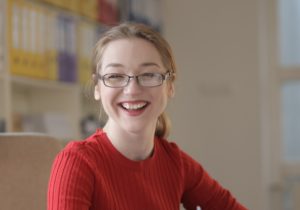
(25, 164)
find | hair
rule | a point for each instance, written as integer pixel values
(135, 30)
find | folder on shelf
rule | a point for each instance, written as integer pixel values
(53, 2)
(61, 57)
(89, 8)
(31, 50)
(40, 52)
(51, 46)
(93, 9)
(74, 6)
(86, 41)
(14, 27)
(67, 57)
(59, 3)
(2, 37)
(26, 63)
(108, 12)
(145, 11)
(27, 40)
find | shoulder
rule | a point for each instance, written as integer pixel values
(86, 150)
(81, 146)
(185, 161)
(172, 149)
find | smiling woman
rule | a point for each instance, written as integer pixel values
(129, 164)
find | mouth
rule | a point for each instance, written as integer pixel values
(134, 106)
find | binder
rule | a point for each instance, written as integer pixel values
(86, 41)
(145, 11)
(67, 57)
(71, 40)
(81, 42)
(25, 69)
(31, 51)
(93, 9)
(40, 51)
(74, 6)
(89, 8)
(14, 36)
(59, 3)
(2, 37)
(61, 54)
(51, 46)
(108, 12)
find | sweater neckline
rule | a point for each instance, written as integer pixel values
(123, 160)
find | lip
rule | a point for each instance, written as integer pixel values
(134, 112)
(134, 102)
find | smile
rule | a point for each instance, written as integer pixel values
(134, 106)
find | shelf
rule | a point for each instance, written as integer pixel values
(45, 84)
(22, 95)
(34, 97)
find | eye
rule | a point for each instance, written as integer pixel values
(149, 75)
(115, 77)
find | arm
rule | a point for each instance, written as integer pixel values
(71, 182)
(201, 190)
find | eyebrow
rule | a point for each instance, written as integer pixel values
(143, 64)
(113, 65)
(150, 64)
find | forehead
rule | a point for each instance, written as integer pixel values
(130, 51)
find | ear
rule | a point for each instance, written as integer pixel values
(97, 92)
(171, 90)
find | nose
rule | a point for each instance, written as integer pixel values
(133, 86)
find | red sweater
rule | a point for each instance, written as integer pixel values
(93, 175)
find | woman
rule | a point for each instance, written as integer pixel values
(129, 165)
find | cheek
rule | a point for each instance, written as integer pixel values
(106, 98)
(162, 98)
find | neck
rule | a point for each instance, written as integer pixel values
(133, 145)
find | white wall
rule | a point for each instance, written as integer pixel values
(215, 112)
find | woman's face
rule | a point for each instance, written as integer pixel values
(132, 108)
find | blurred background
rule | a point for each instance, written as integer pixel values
(237, 103)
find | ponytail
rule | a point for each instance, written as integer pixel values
(163, 126)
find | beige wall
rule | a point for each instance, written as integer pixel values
(216, 110)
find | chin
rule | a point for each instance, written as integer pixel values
(136, 127)
(133, 129)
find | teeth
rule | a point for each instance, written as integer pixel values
(133, 106)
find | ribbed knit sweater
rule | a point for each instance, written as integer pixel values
(93, 175)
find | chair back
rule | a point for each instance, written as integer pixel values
(25, 164)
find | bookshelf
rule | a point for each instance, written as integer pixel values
(35, 97)
(45, 52)
(36, 94)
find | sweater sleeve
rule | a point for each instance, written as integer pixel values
(203, 191)
(71, 182)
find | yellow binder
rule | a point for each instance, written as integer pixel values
(26, 63)
(40, 53)
(51, 46)
(31, 48)
(14, 36)
(86, 39)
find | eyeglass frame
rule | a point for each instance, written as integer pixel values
(166, 76)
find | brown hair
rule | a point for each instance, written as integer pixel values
(135, 30)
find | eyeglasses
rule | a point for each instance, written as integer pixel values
(116, 80)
